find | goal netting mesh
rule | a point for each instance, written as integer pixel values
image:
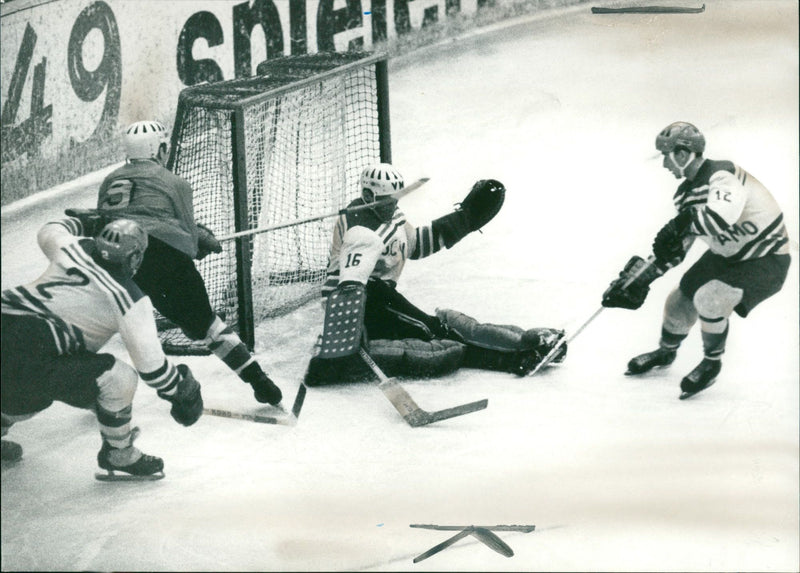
(286, 144)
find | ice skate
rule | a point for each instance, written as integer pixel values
(703, 376)
(10, 451)
(544, 340)
(265, 390)
(645, 362)
(133, 464)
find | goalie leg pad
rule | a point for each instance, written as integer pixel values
(344, 321)
(492, 336)
(417, 358)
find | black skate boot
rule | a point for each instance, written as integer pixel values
(131, 461)
(10, 451)
(264, 389)
(703, 376)
(649, 360)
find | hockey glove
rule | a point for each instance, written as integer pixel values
(478, 208)
(187, 402)
(91, 220)
(632, 296)
(668, 246)
(207, 243)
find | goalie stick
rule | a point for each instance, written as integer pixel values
(550, 355)
(401, 193)
(288, 420)
(407, 407)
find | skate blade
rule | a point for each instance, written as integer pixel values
(685, 395)
(111, 476)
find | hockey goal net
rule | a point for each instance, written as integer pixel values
(286, 144)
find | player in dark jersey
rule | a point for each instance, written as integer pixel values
(54, 327)
(147, 192)
(369, 249)
(746, 262)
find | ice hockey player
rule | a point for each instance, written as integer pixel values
(147, 192)
(54, 327)
(371, 242)
(746, 262)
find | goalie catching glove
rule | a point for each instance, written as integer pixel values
(478, 208)
(631, 296)
(207, 243)
(187, 401)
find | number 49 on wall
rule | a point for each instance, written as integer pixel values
(26, 136)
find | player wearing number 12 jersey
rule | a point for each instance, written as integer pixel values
(747, 260)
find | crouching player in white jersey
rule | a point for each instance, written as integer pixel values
(53, 328)
(369, 249)
(747, 259)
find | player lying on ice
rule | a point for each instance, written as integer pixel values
(746, 262)
(54, 327)
(369, 249)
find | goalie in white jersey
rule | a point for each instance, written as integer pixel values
(747, 259)
(371, 243)
(54, 327)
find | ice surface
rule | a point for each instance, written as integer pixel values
(615, 472)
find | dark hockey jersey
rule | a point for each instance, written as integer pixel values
(154, 197)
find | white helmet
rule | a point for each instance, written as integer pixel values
(143, 139)
(381, 179)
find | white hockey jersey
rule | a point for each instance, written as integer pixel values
(733, 212)
(401, 241)
(85, 306)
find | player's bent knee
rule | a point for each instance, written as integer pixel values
(679, 312)
(716, 299)
(117, 387)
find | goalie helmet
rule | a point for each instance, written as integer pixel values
(122, 243)
(143, 139)
(380, 180)
(680, 134)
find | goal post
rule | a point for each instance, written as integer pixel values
(285, 144)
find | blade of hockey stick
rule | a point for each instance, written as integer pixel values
(550, 355)
(288, 420)
(492, 541)
(299, 400)
(407, 407)
(443, 545)
(523, 528)
(108, 477)
(402, 193)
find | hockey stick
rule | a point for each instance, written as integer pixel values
(550, 355)
(289, 420)
(443, 545)
(407, 407)
(522, 528)
(401, 193)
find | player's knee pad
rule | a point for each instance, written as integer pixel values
(680, 313)
(716, 299)
(361, 248)
(417, 358)
(117, 387)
